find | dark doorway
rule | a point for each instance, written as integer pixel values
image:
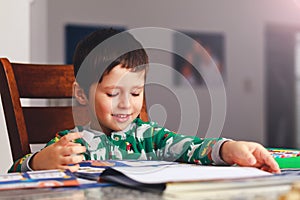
(281, 85)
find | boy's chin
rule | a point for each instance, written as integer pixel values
(121, 126)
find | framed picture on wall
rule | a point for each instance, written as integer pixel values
(75, 32)
(205, 51)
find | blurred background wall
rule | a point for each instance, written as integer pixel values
(34, 31)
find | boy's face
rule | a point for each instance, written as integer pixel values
(117, 100)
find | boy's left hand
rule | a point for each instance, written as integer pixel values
(248, 154)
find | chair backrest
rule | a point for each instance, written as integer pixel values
(38, 124)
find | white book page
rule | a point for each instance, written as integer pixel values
(187, 173)
(10, 177)
(42, 174)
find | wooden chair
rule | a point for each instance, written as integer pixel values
(35, 125)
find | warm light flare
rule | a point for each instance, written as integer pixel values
(297, 2)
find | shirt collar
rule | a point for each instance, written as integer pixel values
(100, 132)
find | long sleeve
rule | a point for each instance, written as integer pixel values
(173, 146)
(17, 165)
(163, 144)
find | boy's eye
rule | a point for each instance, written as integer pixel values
(135, 94)
(112, 94)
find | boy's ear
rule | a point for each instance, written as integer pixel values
(79, 94)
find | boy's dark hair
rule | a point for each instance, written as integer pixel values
(98, 53)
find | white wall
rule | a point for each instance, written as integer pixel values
(38, 31)
(242, 22)
(14, 40)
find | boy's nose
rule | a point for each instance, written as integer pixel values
(124, 102)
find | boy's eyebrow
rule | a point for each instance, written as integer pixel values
(118, 87)
(111, 87)
(139, 86)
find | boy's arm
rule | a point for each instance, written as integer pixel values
(213, 151)
(189, 149)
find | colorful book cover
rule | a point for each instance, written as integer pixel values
(286, 158)
(38, 179)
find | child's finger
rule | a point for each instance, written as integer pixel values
(264, 158)
(70, 150)
(72, 168)
(70, 160)
(74, 144)
(69, 137)
(268, 169)
(269, 161)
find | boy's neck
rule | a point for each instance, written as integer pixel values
(96, 126)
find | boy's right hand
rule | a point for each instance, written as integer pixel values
(64, 154)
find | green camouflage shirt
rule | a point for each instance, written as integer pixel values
(140, 140)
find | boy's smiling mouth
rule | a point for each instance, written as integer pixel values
(121, 117)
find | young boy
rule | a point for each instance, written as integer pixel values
(110, 78)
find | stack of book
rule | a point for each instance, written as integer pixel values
(172, 179)
(38, 179)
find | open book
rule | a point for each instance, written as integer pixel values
(159, 175)
(174, 177)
